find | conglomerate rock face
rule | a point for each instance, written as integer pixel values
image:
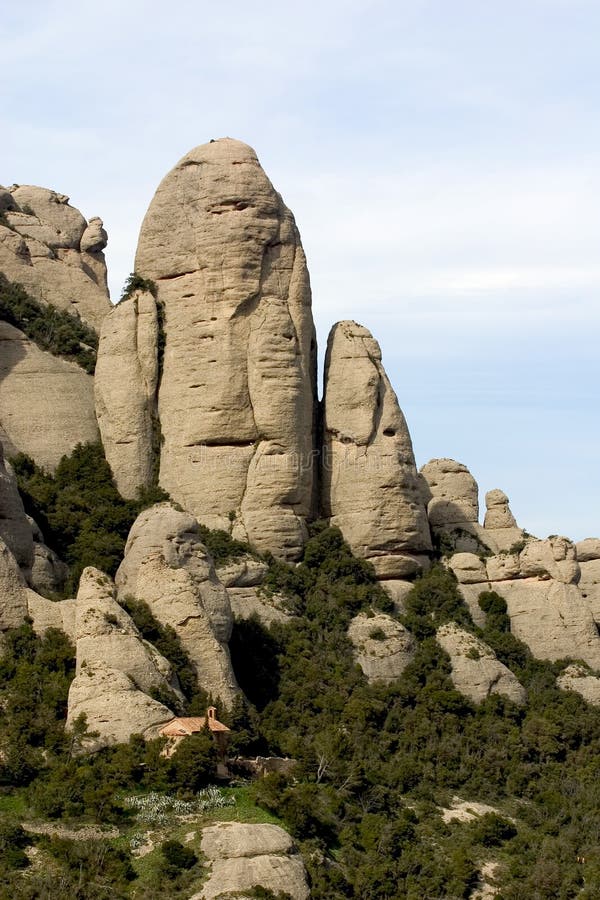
(237, 394)
(54, 394)
(167, 566)
(116, 669)
(15, 528)
(47, 246)
(370, 484)
(243, 857)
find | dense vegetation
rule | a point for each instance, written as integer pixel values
(79, 510)
(52, 329)
(375, 763)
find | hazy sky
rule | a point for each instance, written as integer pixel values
(442, 160)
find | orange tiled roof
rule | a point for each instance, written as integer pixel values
(183, 725)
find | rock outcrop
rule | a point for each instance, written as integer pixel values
(37, 387)
(47, 246)
(370, 485)
(588, 558)
(243, 857)
(168, 567)
(116, 669)
(125, 385)
(383, 647)
(579, 679)
(15, 527)
(13, 591)
(237, 391)
(476, 671)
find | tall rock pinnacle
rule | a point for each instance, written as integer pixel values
(237, 392)
(370, 484)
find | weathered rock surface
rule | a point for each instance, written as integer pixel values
(237, 394)
(247, 602)
(242, 857)
(49, 248)
(168, 567)
(15, 528)
(453, 495)
(125, 386)
(552, 618)
(468, 568)
(115, 667)
(383, 646)
(476, 671)
(46, 614)
(554, 558)
(588, 550)
(498, 514)
(370, 484)
(579, 679)
(13, 591)
(55, 394)
(48, 573)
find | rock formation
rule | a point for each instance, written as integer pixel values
(578, 678)
(167, 566)
(13, 591)
(47, 246)
(588, 558)
(243, 857)
(476, 671)
(383, 646)
(37, 387)
(116, 669)
(237, 393)
(125, 385)
(370, 484)
(15, 527)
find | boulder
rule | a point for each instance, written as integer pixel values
(125, 385)
(588, 550)
(55, 394)
(554, 558)
(476, 671)
(468, 568)
(397, 590)
(167, 566)
(579, 679)
(243, 857)
(369, 479)
(498, 514)
(114, 666)
(383, 647)
(589, 585)
(452, 493)
(47, 246)
(48, 573)
(46, 614)
(237, 394)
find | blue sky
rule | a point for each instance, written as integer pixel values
(442, 160)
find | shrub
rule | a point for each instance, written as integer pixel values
(54, 330)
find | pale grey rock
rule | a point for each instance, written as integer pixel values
(125, 386)
(503, 567)
(247, 602)
(49, 248)
(471, 594)
(168, 567)
(453, 495)
(588, 549)
(237, 395)
(383, 647)
(113, 706)
(370, 485)
(48, 573)
(243, 572)
(55, 394)
(579, 679)
(46, 614)
(15, 528)
(116, 669)
(552, 618)
(13, 591)
(589, 585)
(242, 857)
(397, 590)
(468, 568)
(498, 514)
(476, 671)
(554, 558)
